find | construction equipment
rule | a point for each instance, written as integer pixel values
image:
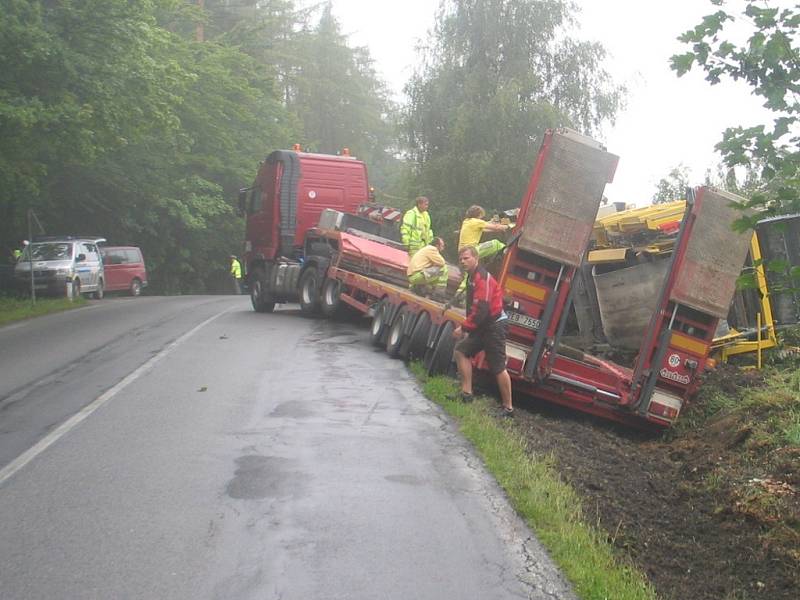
(630, 253)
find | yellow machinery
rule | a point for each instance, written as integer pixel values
(732, 343)
(651, 230)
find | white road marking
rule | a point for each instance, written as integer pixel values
(23, 459)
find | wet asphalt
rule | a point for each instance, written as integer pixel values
(263, 456)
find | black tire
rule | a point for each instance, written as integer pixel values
(398, 332)
(379, 321)
(414, 346)
(76, 288)
(441, 358)
(309, 287)
(136, 288)
(430, 345)
(98, 295)
(330, 302)
(260, 296)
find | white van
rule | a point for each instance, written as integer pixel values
(57, 261)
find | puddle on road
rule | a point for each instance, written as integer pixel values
(407, 479)
(258, 477)
(292, 409)
(336, 340)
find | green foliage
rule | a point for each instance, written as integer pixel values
(493, 76)
(767, 61)
(673, 186)
(17, 309)
(115, 121)
(340, 100)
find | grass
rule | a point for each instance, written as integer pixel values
(751, 481)
(17, 309)
(769, 407)
(549, 506)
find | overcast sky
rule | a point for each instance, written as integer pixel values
(667, 120)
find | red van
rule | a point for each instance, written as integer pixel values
(124, 269)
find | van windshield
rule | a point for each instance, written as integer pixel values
(47, 251)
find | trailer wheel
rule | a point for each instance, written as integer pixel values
(331, 303)
(379, 320)
(260, 296)
(309, 292)
(441, 357)
(397, 333)
(414, 345)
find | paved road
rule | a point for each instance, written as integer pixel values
(191, 448)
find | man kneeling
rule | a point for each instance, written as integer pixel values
(486, 325)
(427, 271)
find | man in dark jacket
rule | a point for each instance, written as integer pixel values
(486, 327)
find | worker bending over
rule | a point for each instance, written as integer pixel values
(486, 328)
(415, 230)
(427, 271)
(472, 228)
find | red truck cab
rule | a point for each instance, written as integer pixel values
(290, 192)
(286, 200)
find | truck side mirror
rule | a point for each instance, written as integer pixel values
(80, 258)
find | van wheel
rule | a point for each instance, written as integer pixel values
(379, 319)
(415, 344)
(98, 295)
(309, 291)
(260, 297)
(136, 288)
(397, 333)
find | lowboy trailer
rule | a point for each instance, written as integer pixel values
(343, 265)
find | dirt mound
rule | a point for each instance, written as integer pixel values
(699, 511)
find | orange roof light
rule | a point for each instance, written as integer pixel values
(345, 151)
(296, 148)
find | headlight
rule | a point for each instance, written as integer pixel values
(63, 271)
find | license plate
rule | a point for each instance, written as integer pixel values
(524, 321)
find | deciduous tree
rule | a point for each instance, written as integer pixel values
(493, 76)
(766, 59)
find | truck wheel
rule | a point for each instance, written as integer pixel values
(414, 346)
(309, 292)
(379, 321)
(76, 288)
(442, 356)
(397, 332)
(260, 295)
(332, 305)
(98, 295)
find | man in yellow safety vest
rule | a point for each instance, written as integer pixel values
(236, 274)
(415, 230)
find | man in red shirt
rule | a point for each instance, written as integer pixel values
(486, 325)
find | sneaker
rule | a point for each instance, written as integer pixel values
(506, 413)
(464, 397)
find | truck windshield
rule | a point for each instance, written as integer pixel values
(48, 251)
